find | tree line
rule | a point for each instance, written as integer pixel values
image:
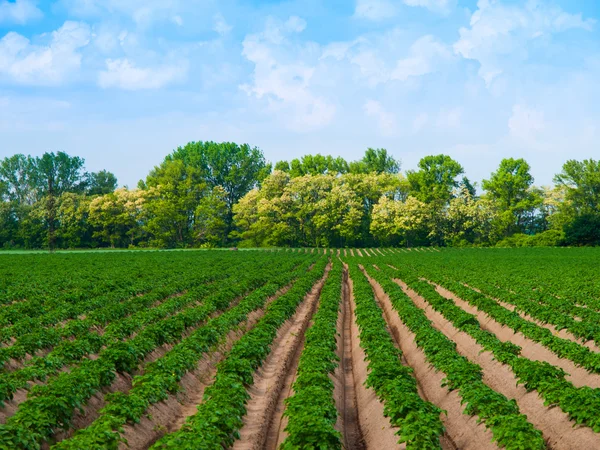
(208, 194)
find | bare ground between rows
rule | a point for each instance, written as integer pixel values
(169, 415)
(462, 431)
(558, 431)
(344, 380)
(560, 333)
(375, 428)
(122, 383)
(11, 406)
(530, 349)
(262, 422)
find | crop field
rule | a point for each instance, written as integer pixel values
(301, 349)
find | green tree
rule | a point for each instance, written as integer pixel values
(236, 168)
(581, 180)
(435, 181)
(52, 175)
(510, 189)
(172, 193)
(406, 222)
(116, 217)
(100, 183)
(211, 216)
(377, 161)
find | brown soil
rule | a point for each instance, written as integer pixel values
(359, 252)
(171, 414)
(462, 431)
(344, 381)
(376, 430)
(558, 431)
(263, 422)
(351, 252)
(560, 333)
(530, 349)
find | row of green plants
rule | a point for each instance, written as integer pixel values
(311, 410)
(510, 428)
(219, 417)
(161, 377)
(123, 320)
(418, 421)
(119, 319)
(42, 334)
(581, 404)
(563, 348)
(51, 406)
(554, 311)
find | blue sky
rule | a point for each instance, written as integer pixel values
(124, 82)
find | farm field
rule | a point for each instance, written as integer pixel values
(304, 348)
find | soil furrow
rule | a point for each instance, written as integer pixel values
(462, 431)
(169, 415)
(376, 430)
(560, 333)
(530, 349)
(558, 431)
(262, 423)
(343, 377)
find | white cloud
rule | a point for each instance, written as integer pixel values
(49, 64)
(525, 123)
(372, 56)
(424, 56)
(177, 20)
(284, 79)
(19, 11)
(437, 6)
(123, 74)
(500, 33)
(375, 9)
(386, 120)
(221, 26)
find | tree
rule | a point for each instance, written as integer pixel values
(584, 230)
(407, 222)
(52, 175)
(16, 181)
(211, 215)
(468, 220)
(581, 180)
(435, 180)
(172, 193)
(377, 161)
(510, 189)
(100, 183)
(236, 168)
(117, 216)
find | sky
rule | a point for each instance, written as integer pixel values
(122, 83)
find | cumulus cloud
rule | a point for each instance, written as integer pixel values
(385, 120)
(499, 33)
(124, 74)
(424, 55)
(51, 64)
(19, 11)
(283, 76)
